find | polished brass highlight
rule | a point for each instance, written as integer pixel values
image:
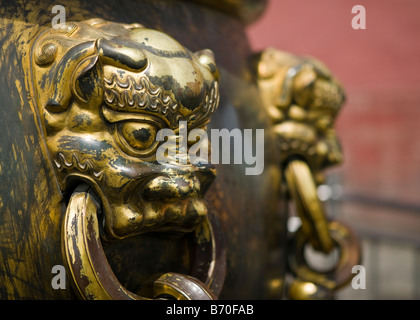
(306, 290)
(303, 100)
(176, 286)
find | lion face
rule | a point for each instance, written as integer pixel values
(104, 90)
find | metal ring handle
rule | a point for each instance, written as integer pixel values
(94, 278)
(338, 276)
(177, 286)
(303, 190)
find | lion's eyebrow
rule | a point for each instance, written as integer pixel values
(116, 116)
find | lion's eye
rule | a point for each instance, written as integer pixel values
(137, 138)
(139, 135)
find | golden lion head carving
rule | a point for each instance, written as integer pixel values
(104, 90)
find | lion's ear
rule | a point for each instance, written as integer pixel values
(86, 83)
(77, 57)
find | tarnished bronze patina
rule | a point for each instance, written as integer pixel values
(81, 186)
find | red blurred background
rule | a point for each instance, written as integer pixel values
(379, 125)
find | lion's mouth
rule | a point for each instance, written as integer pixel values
(170, 200)
(126, 221)
(91, 270)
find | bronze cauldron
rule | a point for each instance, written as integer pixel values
(87, 209)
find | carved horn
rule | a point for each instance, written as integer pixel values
(121, 56)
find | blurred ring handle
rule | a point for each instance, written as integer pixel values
(322, 234)
(304, 193)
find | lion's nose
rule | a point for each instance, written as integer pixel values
(179, 185)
